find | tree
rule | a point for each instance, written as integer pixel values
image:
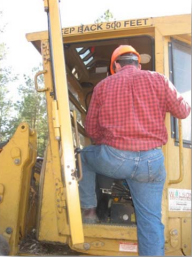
(107, 16)
(32, 109)
(6, 105)
(6, 108)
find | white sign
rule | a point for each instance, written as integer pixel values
(128, 247)
(179, 199)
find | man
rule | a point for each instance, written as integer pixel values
(126, 121)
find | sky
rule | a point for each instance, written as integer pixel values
(26, 16)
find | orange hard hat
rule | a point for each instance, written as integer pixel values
(122, 49)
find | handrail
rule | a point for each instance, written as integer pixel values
(36, 83)
(79, 107)
(77, 146)
(181, 168)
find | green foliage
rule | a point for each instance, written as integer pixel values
(2, 51)
(7, 114)
(2, 25)
(5, 111)
(32, 109)
(2, 44)
(32, 106)
(6, 105)
(107, 16)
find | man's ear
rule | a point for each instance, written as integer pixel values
(117, 66)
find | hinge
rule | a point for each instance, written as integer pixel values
(55, 117)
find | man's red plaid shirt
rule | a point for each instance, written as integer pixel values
(127, 110)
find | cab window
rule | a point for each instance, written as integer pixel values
(180, 75)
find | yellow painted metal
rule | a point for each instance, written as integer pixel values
(109, 26)
(67, 154)
(52, 197)
(104, 247)
(160, 67)
(108, 234)
(105, 240)
(165, 61)
(173, 242)
(174, 163)
(2, 190)
(59, 216)
(176, 25)
(182, 25)
(56, 124)
(46, 6)
(52, 217)
(107, 231)
(16, 161)
(186, 236)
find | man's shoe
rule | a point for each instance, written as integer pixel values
(89, 215)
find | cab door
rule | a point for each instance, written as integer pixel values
(62, 123)
(179, 189)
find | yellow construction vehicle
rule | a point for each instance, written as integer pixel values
(74, 60)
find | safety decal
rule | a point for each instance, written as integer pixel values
(128, 247)
(107, 26)
(179, 199)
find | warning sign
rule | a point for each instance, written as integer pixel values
(179, 199)
(128, 247)
(107, 26)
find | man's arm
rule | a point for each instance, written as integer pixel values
(176, 105)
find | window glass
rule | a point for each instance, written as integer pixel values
(181, 65)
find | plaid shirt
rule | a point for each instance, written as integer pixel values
(127, 110)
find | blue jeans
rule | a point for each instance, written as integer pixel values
(145, 175)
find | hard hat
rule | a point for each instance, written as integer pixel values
(122, 49)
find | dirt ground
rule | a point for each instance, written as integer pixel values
(31, 246)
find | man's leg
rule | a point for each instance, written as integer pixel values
(87, 189)
(96, 159)
(147, 198)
